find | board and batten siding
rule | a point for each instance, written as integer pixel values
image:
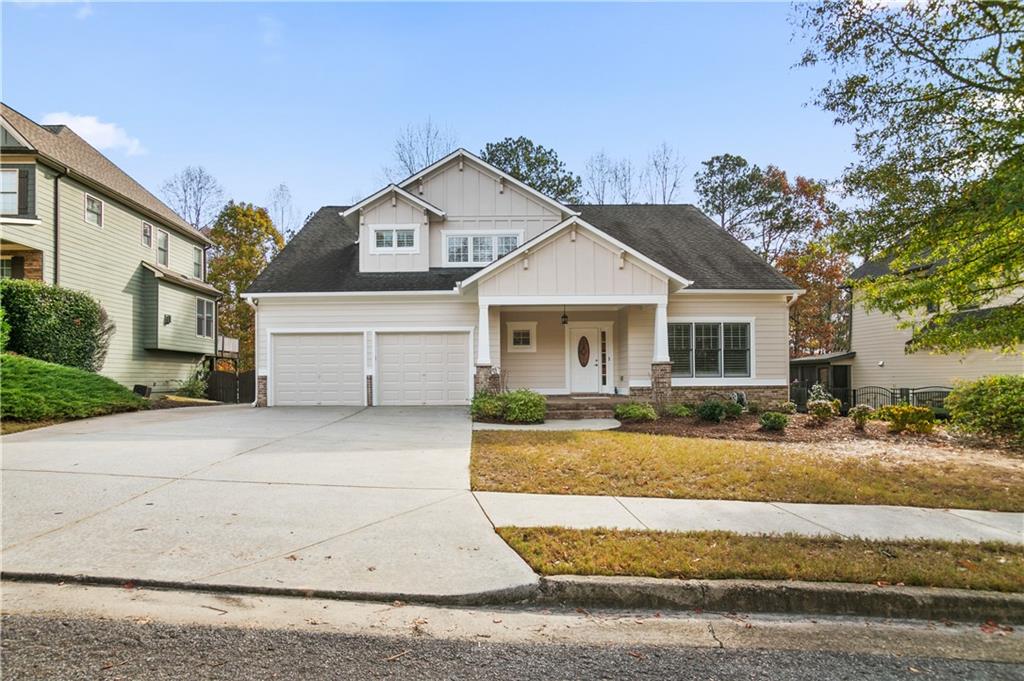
(402, 213)
(876, 338)
(325, 314)
(562, 266)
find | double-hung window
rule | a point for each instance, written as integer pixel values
(163, 247)
(147, 235)
(478, 248)
(6, 268)
(709, 349)
(9, 191)
(93, 211)
(197, 262)
(204, 318)
(395, 239)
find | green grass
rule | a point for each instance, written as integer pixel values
(991, 566)
(35, 391)
(635, 464)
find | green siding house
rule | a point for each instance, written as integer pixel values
(69, 216)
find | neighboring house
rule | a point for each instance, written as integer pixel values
(460, 278)
(71, 217)
(878, 357)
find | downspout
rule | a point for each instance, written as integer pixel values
(56, 225)
(254, 304)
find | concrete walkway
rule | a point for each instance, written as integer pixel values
(750, 517)
(365, 501)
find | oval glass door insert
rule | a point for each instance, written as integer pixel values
(583, 351)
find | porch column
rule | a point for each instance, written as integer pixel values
(661, 333)
(661, 365)
(483, 336)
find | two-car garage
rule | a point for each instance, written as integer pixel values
(407, 368)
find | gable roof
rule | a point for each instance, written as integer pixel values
(464, 154)
(61, 145)
(408, 196)
(324, 256)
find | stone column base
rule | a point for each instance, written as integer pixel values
(369, 391)
(661, 381)
(487, 380)
(261, 391)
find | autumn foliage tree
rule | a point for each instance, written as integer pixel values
(819, 320)
(244, 241)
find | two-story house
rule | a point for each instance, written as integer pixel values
(462, 278)
(69, 216)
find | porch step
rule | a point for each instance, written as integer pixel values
(577, 414)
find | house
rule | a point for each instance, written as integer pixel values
(70, 217)
(877, 357)
(462, 278)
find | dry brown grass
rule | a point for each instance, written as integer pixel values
(634, 464)
(989, 566)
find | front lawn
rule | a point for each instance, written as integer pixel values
(35, 393)
(634, 464)
(989, 566)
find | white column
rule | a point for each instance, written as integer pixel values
(483, 336)
(661, 333)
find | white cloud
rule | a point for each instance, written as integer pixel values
(103, 136)
(85, 11)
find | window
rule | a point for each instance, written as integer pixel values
(147, 235)
(479, 249)
(197, 262)
(163, 247)
(93, 211)
(395, 239)
(522, 336)
(6, 271)
(204, 318)
(709, 349)
(9, 192)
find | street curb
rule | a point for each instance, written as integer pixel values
(783, 597)
(514, 594)
(727, 595)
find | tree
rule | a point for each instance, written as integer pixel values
(663, 173)
(599, 177)
(727, 190)
(244, 241)
(624, 181)
(195, 195)
(282, 210)
(819, 319)
(535, 166)
(935, 93)
(417, 147)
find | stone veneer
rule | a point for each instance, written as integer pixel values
(369, 391)
(33, 265)
(487, 379)
(661, 381)
(261, 391)
(766, 396)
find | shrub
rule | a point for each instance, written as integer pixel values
(773, 420)
(860, 415)
(819, 392)
(679, 410)
(821, 411)
(908, 417)
(754, 408)
(525, 406)
(195, 385)
(635, 411)
(487, 406)
(786, 408)
(992, 406)
(55, 324)
(5, 330)
(733, 410)
(711, 410)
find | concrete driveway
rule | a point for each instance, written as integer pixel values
(365, 501)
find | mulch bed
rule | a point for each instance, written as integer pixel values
(801, 429)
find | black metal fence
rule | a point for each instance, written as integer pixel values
(226, 386)
(933, 397)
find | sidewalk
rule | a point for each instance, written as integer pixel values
(750, 517)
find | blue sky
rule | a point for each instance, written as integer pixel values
(314, 94)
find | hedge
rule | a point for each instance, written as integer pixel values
(55, 324)
(992, 406)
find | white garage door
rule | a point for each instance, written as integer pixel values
(423, 368)
(318, 369)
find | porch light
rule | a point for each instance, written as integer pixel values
(565, 317)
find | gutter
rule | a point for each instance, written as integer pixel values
(254, 304)
(56, 224)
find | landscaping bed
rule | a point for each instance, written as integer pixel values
(992, 566)
(645, 465)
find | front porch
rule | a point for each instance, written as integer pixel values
(20, 262)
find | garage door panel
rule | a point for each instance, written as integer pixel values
(318, 369)
(423, 368)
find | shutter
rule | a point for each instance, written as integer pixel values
(23, 177)
(18, 267)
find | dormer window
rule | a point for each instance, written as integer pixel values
(477, 249)
(395, 239)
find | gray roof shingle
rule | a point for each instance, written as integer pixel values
(324, 257)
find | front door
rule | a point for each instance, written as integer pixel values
(585, 360)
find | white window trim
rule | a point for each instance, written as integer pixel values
(157, 243)
(205, 302)
(521, 326)
(202, 262)
(470, 233)
(720, 380)
(394, 248)
(85, 210)
(17, 192)
(143, 235)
